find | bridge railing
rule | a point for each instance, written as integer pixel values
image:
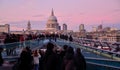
(101, 52)
(96, 66)
(14, 49)
(95, 63)
(106, 53)
(108, 62)
(102, 64)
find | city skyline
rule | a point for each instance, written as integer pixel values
(90, 13)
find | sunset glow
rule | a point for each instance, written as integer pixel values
(72, 12)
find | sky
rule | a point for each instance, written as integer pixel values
(91, 13)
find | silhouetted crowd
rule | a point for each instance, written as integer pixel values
(11, 38)
(52, 59)
(1, 59)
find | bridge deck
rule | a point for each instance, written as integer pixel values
(86, 53)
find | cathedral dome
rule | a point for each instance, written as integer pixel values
(52, 23)
(52, 18)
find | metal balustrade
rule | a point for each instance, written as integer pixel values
(110, 63)
(105, 53)
(101, 52)
(13, 49)
(96, 66)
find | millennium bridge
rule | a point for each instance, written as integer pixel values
(96, 59)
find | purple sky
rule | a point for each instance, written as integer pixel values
(72, 12)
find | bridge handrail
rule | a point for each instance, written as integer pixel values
(4, 45)
(103, 65)
(11, 57)
(103, 50)
(13, 49)
(109, 54)
(101, 59)
(93, 48)
(18, 42)
(97, 48)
